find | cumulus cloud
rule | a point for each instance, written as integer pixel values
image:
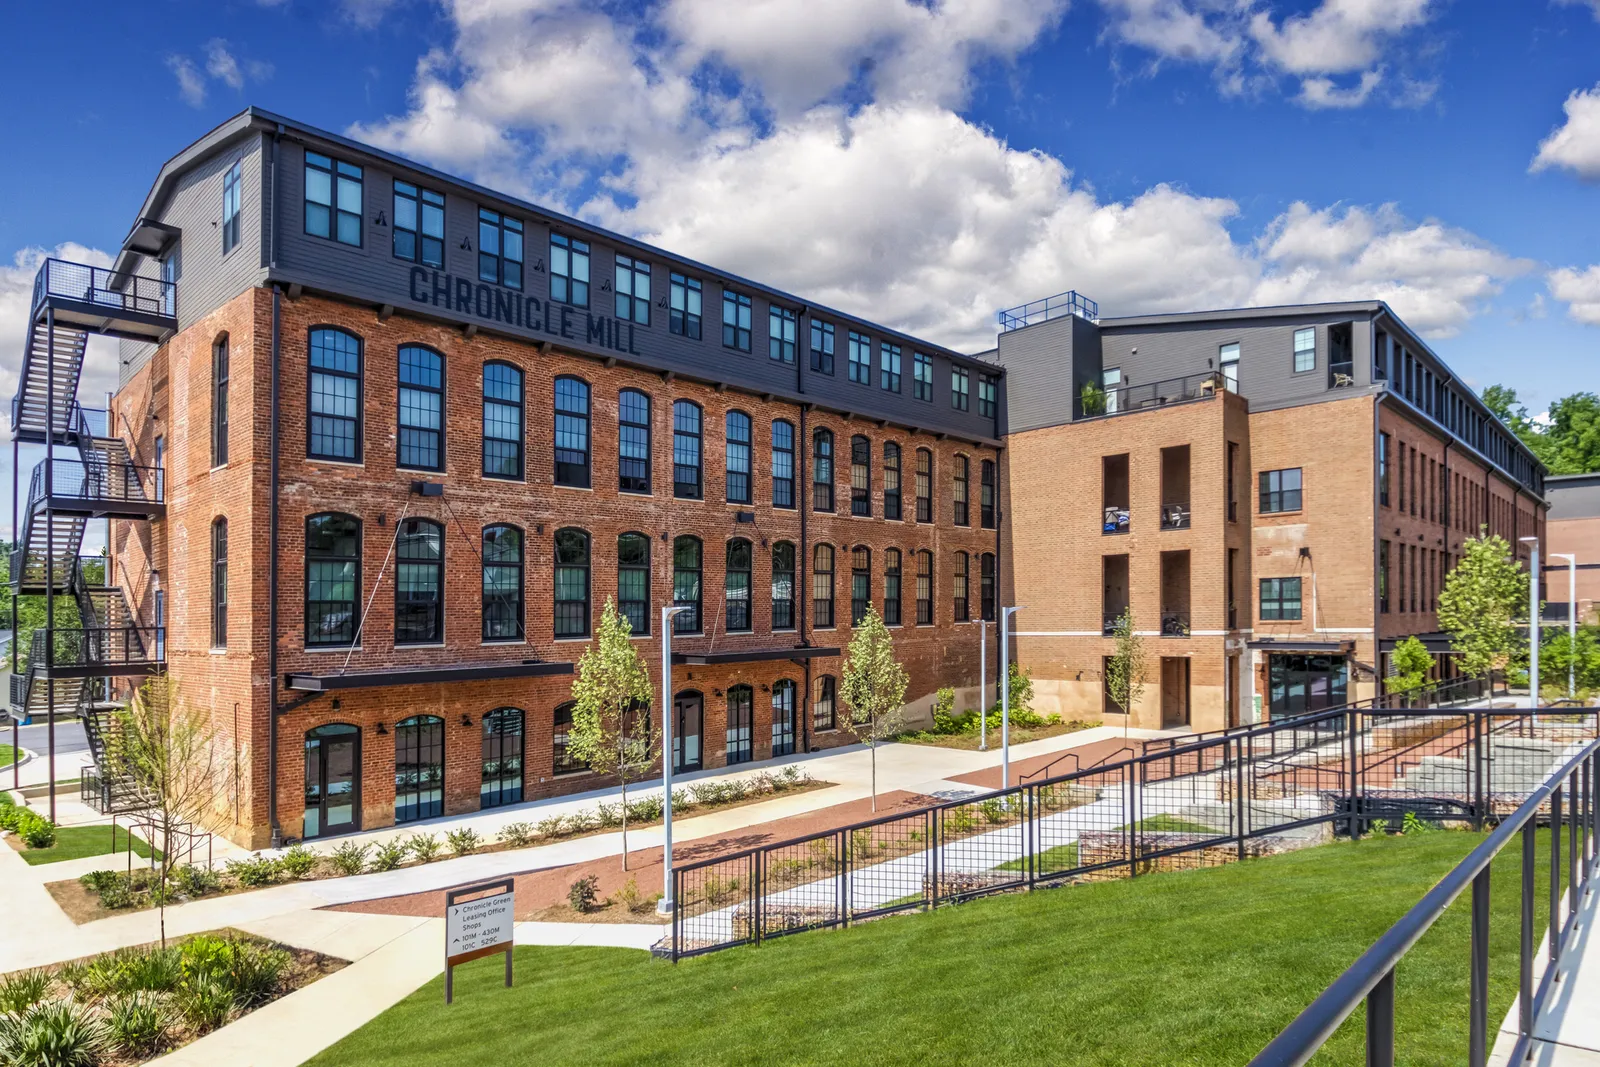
(1575, 145)
(221, 65)
(1579, 290)
(1593, 5)
(191, 83)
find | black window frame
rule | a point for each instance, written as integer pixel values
(738, 476)
(356, 421)
(583, 567)
(783, 615)
(691, 621)
(427, 206)
(337, 210)
(739, 563)
(822, 605)
(348, 633)
(988, 395)
(783, 333)
(861, 476)
(420, 435)
(565, 285)
(859, 370)
(560, 762)
(891, 481)
(520, 406)
(682, 440)
(219, 582)
(783, 461)
(960, 490)
(822, 334)
(740, 724)
(571, 432)
(986, 586)
(635, 610)
(960, 388)
(893, 564)
(738, 320)
(1275, 497)
(922, 377)
(232, 205)
(958, 587)
(631, 307)
(822, 469)
(509, 270)
(889, 357)
(493, 617)
(824, 709)
(501, 773)
(785, 712)
(986, 488)
(221, 369)
(412, 599)
(925, 584)
(634, 471)
(682, 291)
(923, 485)
(1278, 600)
(860, 583)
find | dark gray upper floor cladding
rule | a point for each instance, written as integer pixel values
(1574, 496)
(336, 226)
(1275, 357)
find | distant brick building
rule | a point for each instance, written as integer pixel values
(1574, 523)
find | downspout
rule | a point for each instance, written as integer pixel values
(803, 590)
(800, 387)
(1377, 540)
(272, 583)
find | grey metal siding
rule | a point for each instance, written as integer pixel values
(1573, 497)
(1040, 363)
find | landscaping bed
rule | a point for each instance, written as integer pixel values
(100, 894)
(131, 1005)
(78, 842)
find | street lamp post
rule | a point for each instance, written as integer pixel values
(983, 686)
(1572, 620)
(1005, 695)
(1533, 621)
(664, 906)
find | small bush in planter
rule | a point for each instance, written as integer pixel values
(194, 881)
(56, 1033)
(21, 991)
(583, 893)
(464, 842)
(424, 846)
(349, 858)
(206, 1003)
(517, 834)
(36, 831)
(255, 871)
(96, 881)
(390, 854)
(298, 861)
(140, 1023)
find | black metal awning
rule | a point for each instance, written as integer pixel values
(150, 238)
(458, 672)
(1269, 644)
(1435, 642)
(706, 659)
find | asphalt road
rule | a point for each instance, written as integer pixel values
(69, 737)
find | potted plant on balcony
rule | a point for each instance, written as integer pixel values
(1092, 399)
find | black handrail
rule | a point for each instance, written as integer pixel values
(1371, 977)
(97, 285)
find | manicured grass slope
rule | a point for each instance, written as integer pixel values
(8, 755)
(1200, 967)
(76, 842)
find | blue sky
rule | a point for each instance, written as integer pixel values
(921, 162)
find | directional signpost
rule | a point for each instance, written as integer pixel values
(477, 923)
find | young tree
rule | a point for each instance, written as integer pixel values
(164, 749)
(1126, 670)
(1482, 596)
(610, 724)
(873, 689)
(1561, 658)
(1412, 662)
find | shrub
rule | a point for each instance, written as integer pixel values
(994, 809)
(583, 893)
(349, 858)
(36, 831)
(155, 970)
(582, 822)
(609, 814)
(298, 861)
(629, 896)
(56, 1033)
(140, 1023)
(464, 842)
(10, 814)
(424, 846)
(96, 881)
(21, 991)
(255, 871)
(117, 894)
(645, 809)
(390, 854)
(554, 826)
(1415, 824)
(205, 1003)
(945, 720)
(194, 881)
(254, 972)
(517, 834)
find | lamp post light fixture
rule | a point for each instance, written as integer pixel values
(1005, 694)
(1572, 620)
(664, 906)
(1533, 621)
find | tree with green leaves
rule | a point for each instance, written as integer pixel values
(1567, 442)
(1125, 670)
(1412, 663)
(610, 720)
(1561, 657)
(873, 689)
(1482, 597)
(168, 752)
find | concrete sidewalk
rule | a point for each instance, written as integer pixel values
(1567, 1032)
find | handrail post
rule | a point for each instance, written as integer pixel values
(1573, 810)
(1555, 875)
(1380, 1022)
(1478, 1004)
(1525, 955)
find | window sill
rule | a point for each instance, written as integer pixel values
(1286, 511)
(639, 637)
(357, 463)
(635, 492)
(439, 472)
(316, 650)
(502, 642)
(399, 645)
(502, 478)
(219, 651)
(573, 640)
(738, 504)
(218, 467)
(573, 488)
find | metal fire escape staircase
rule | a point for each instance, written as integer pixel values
(87, 473)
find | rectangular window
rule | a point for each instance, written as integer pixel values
(782, 465)
(988, 395)
(685, 450)
(1305, 350)
(889, 367)
(231, 193)
(783, 586)
(420, 440)
(335, 396)
(1280, 599)
(633, 290)
(959, 383)
(860, 351)
(633, 442)
(958, 495)
(959, 587)
(922, 376)
(219, 401)
(860, 476)
(822, 347)
(333, 199)
(735, 320)
(1280, 491)
(891, 588)
(736, 458)
(783, 327)
(986, 494)
(500, 250)
(418, 224)
(683, 318)
(924, 588)
(891, 481)
(569, 270)
(924, 485)
(1383, 469)
(502, 421)
(1228, 360)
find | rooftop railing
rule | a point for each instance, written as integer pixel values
(1051, 307)
(93, 285)
(1094, 401)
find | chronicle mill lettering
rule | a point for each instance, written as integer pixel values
(496, 304)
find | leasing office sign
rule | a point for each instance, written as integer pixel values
(478, 921)
(494, 304)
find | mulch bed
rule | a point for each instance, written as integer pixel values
(542, 895)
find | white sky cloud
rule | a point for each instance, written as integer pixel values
(1575, 145)
(221, 65)
(191, 83)
(1579, 290)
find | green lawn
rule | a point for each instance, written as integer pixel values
(76, 842)
(1196, 967)
(8, 755)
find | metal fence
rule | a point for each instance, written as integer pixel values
(95, 285)
(1265, 789)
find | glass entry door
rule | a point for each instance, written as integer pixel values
(689, 710)
(333, 757)
(418, 768)
(502, 758)
(1299, 683)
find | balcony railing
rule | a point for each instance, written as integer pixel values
(78, 479)
(108, 646)
(1174, 516)
(92, 285)
(1051, 307)
(1115, 519)
(1174, 624)
(1094, 401)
